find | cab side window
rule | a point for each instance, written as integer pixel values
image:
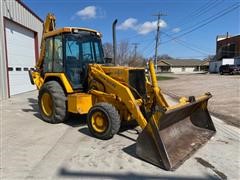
(98, 55)
(48, 60)
(87, 52)
(58, 54)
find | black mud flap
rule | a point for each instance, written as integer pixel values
(30, 77)
(171, 140)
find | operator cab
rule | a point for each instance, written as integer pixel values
(71, 52)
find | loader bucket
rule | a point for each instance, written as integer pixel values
(172, 139)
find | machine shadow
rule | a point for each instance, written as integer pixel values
(131, 150)
(74, 120)
(85, 131)
(65, 173)
(33, 103)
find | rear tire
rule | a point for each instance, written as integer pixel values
(52, 103)
(103, 121)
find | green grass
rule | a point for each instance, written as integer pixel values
(163, 78)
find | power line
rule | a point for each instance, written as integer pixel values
(148, 45)
(189, 46)
(209, 7)
(196, 11)
(198, 14)
(207, 21)
(204, 8)
(149, 48)
(151, 52)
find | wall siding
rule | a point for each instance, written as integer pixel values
(214, 66)
(3, 70)
(180, 69)
(15, 11)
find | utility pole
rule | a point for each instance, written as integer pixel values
(135, 49)
(157, 37)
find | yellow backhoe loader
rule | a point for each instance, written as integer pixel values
(72, 76)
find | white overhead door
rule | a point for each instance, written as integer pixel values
(21, 57)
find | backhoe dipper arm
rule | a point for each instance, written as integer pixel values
(35, 76)
(49, 25)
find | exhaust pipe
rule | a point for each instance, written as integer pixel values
(114, 41)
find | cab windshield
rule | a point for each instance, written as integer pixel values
(85, 49)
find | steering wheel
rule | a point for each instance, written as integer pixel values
(88, 57)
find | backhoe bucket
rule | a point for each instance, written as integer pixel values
(172, 139)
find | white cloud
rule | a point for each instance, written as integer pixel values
(176, 30)
(144, 28)
(88, 12)
(148, 26)
(129, 23)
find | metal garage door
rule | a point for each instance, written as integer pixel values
(21, 56)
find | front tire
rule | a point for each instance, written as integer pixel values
(52, 102)
(103, 121)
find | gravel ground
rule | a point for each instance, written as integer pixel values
(225, 103)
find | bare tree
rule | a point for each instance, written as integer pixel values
(137, 61)
(210, 58)
(125, 54)
(108, 50)
(165, 56)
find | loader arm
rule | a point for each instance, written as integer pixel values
(157, 91)
(113, 86)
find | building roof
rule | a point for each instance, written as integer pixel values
(205, 62)
(224, 37)
(163, 63)
(180, 62)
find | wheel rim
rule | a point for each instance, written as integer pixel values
(99, 122)
(46, 103)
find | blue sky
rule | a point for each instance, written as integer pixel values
(137, 24)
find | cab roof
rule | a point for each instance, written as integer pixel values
(70, 29)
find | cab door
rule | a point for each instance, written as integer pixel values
(53, 61)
